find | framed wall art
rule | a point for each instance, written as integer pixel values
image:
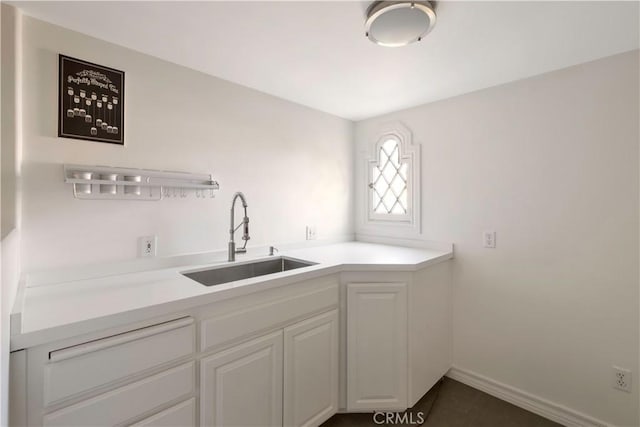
(91, 101)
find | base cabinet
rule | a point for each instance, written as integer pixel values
(119, 379)
(242, 386)
(311, 370)
(127, 402)
(360, 342)
(289, 377)
(376, 346)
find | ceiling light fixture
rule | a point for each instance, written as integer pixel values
(399, 23)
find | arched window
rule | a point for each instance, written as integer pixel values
(393, 179)
(389, 185)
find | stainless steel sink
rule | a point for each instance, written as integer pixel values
(220, 275)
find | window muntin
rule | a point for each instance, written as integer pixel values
(389, 183)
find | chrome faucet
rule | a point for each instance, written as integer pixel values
(245, 222)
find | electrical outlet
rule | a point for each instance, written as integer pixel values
(489, 239)
(147, 246)
(311, 232)
(621, 378)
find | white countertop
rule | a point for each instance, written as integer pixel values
(53, 311)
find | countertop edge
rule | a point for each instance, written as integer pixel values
(155, 313)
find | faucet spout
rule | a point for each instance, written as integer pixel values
(232, 229)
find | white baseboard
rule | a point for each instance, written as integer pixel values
(537, 405)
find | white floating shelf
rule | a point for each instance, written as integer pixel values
(91, 182)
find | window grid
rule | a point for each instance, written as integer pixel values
(390, 181)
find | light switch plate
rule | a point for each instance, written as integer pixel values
(311, 232)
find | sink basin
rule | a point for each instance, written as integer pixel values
(220, 275)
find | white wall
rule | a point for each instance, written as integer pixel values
(551, 164)
(294, 164)
(9, 165)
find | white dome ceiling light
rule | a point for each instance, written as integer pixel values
(399, 23)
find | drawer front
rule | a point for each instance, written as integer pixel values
(181, 415)
(86, 366)
(124, 403)
(228, 327)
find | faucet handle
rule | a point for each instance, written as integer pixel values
(272, 249)
(245, 234)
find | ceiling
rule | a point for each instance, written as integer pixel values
(315, 53)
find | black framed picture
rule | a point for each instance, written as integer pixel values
(91, 101)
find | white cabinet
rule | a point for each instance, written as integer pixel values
(377, 346)
(111, 379)
(293, 356)
(242, 386)
(245, 385)
(124, 403)
(84, 367)
(289, 376)
(311, 370)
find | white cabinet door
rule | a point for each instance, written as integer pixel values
(242, 386)
(311, 370)
(376, 346)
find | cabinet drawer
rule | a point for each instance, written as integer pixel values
(182, 415)
(260, 317)
(86, 366)
(124, 403)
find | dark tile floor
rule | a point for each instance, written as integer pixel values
(453, 404)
